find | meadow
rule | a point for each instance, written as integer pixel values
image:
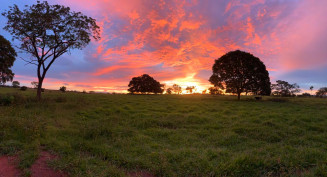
(166, 135)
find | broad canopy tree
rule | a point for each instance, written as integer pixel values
(7, 59)
(322, 92)
(285, 89)
(145, 84)
(238, 72)
(48, 31)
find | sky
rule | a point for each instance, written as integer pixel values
(177, 41)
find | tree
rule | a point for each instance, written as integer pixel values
(63, 89)
(169, 90)
(239, 72)
(322, 92)
(215, 91)
(145, 84)
(177, 89)
(35, 84)
(204, 91)
(285, 89)
(7, 59)
(190, 88)
(15, 84)
(48, 31)
(311, 88)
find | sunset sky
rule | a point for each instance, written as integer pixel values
(177, 41)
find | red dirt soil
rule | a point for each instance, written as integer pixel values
(8, 168)
(40, 167)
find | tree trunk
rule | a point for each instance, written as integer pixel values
(39, 89)
(238, 96)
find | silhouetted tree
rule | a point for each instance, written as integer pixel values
(177, 89)
(169, 90)
(204, 91)
(63, 89)
(144, 84)
(215, 91)
(322, 92)
(35, 84)
(47, 32)
(239, 72)
(311, 88)
(15, 84)
(285, 89)
(190, 88)
(7, 59)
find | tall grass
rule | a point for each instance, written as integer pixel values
(168, 135)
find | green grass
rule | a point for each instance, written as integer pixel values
(168, 135)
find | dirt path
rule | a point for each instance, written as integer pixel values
(8, 168)
(40, 167)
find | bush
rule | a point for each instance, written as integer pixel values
(63, 89)
(12, 98)
(23, 88)
(42, 89)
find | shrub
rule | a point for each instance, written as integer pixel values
(23, 88)
(63, 89)
(42, 89)
(12, 98)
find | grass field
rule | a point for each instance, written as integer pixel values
(167, 135)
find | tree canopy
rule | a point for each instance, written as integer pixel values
(48, 31)
(238, 72)
(177, 89)
(285, 89)
(144, 84)
(322, 92)
(7, 59)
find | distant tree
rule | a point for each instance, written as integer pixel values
(35, 84)
(215, 91)
(7, 59)
(48, 31)
(305, 95)
(63, 89)
(177, 89)
(204, 91)
(285, 89)
(144, 84)
(322, 92)
(190, 89)
(239, 72)
(15, 84)
(311, 88)
(169, 90)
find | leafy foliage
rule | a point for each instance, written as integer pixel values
(63, 89)
(144, 84)
(48, 31)
(190, 89)
(322, 92)
(239, 72)
(177, 89)
(7, 59)
(285, 89)
(15, 84)
(169, 90)
(35, 84)
(215, 91)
